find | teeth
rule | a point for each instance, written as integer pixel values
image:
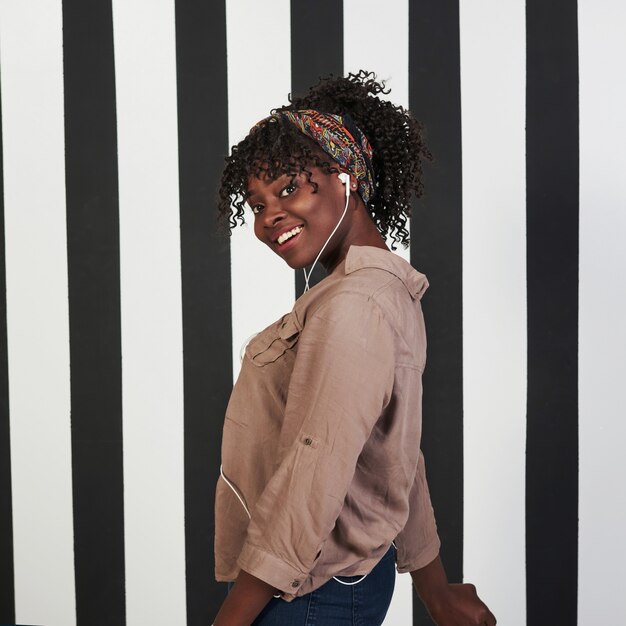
(289, 234)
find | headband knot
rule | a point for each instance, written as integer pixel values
(339, 137)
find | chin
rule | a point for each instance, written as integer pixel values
(295, 261)
(296, 265)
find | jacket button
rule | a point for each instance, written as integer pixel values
(308, 441)
(295, 583)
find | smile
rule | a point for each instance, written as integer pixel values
(288, 235)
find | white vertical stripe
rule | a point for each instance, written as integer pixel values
(259, 79)
(31, 49)
(145, 64)
(387, 55)
(602, 301)
(492, 37)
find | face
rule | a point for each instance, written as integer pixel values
(295, 220)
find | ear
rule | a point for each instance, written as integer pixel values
(344, 178)
(349, 179)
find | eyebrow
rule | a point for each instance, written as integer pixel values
(291, 177)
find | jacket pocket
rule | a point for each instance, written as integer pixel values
(272, 343)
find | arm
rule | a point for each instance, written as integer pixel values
(246, 600)
(418, 544)
(341, 381)
(450, 604)
(418, 552)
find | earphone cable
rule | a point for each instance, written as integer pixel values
(345, 210)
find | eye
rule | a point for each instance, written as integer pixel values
(288, 190)
(256, 208)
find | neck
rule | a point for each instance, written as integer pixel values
(363, 232)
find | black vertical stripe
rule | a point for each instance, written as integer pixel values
(436, 247)
(552, 274)
(316, 50)
(94, 309)
(206, 293)
(7, 581)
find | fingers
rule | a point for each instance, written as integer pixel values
(462, 607)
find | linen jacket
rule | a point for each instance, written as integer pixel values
(322, 433)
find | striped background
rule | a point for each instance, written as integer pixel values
(122, 313)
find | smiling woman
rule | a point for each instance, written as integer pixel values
(323, 484)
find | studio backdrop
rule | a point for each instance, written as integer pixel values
(123, 311)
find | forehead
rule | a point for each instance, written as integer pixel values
(261, 180)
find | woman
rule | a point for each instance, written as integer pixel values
(322, 491)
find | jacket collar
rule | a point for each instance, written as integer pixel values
(359, 257)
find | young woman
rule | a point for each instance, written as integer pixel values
(322, 492)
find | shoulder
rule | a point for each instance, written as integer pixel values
(370, 280)
(382, 279)
(383, 268)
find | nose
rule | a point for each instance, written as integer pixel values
(273, 214)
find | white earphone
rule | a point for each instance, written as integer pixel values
(345, 180)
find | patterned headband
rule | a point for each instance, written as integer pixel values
(339, 137)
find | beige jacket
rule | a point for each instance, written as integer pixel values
(322, 432)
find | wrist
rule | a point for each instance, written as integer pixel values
(245, 601)
(431, 583)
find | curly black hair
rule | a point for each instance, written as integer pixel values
(279, 148)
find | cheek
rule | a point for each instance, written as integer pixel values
(258, 228)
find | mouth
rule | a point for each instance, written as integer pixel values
(287, 239)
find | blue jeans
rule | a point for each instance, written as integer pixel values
(334, 604)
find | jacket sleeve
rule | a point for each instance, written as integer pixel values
(341, 382)
(418, 543)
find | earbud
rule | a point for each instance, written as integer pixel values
(345, 180)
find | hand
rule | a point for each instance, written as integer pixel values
(450, 604)
(460, 606)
